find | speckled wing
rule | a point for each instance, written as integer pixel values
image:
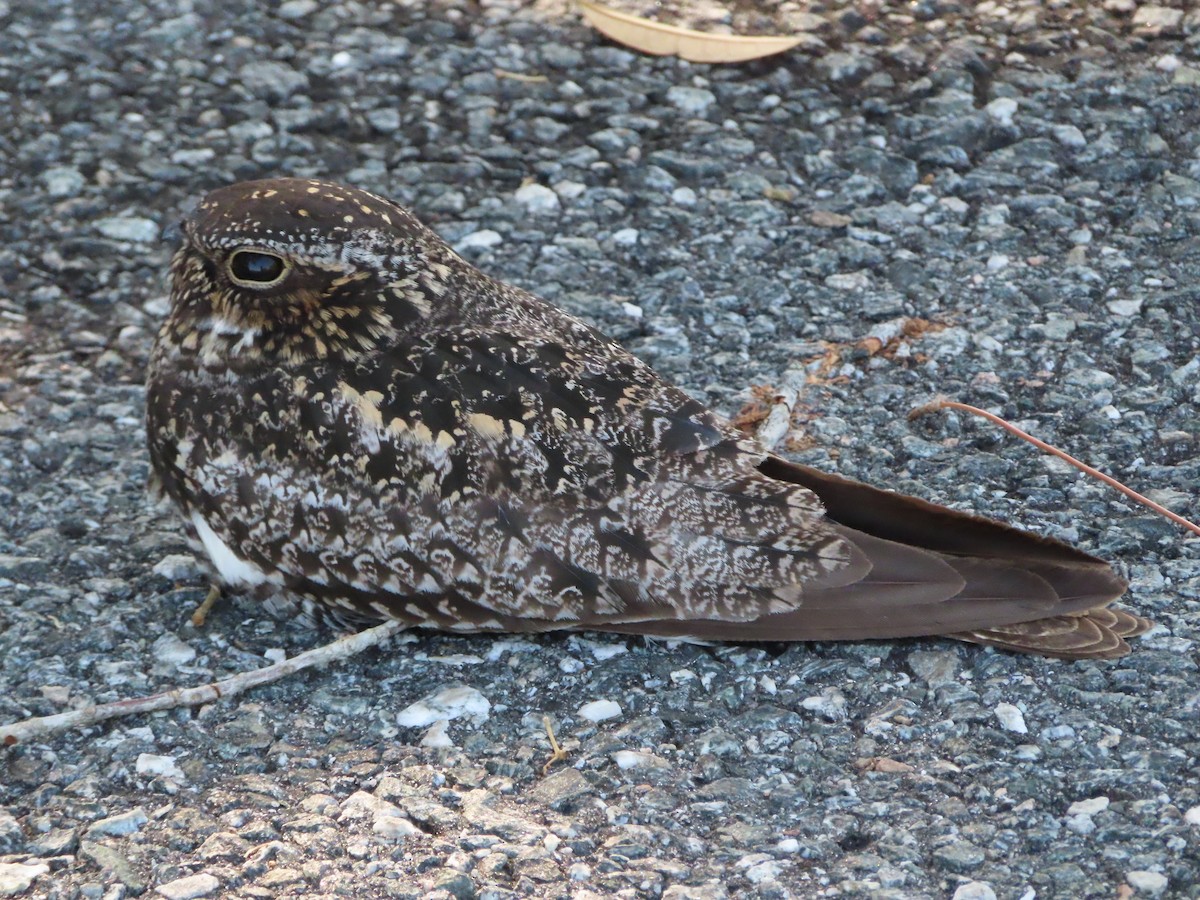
(470, 480)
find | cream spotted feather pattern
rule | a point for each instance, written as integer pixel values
(348, 414)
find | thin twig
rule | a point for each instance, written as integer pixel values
(943, 403)
(520, 76)
(342, 648)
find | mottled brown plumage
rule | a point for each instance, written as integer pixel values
(347, 413)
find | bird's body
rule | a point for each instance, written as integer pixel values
(347, 412)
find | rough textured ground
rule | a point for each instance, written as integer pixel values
(1005, 195)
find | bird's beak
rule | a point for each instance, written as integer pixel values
(173, 233)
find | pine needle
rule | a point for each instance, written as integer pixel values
(942, 403)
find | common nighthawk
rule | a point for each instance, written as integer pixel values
(348, 413)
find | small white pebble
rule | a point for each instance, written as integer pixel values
(831, 704)
(1002, 110)
(194, 157)
(626, 237)
(177, 566)
(997, 261)
(605, 651)
(341, 59)
(296, 9)
(275, 655)
(1149, 883)
(189, 888)
(1058, 733)
(479, 240)
(132, 228)
(955, 205)
(632, 310)
(632, 759)
(848, 281)
(1081, 824)
(448, 703)
(16, 878)
(690, 100)
(153, 764)
(394, 828)
(1010, 718)
(569, 190)
(171, 651)
(683, 196)
(599, 710)
(1124, 307)
(158, 307)
(1088, 807)
(436, 735)
(788, 845)
(1167, 63)
(63, 181)
(1192, 816)
(129, 337)
(56, 693)
(118, 825)
(537, 198)
(1158, 17)
(361, 805)
(974, 890)
(1069, 136)
(765, 871)
(455, 659)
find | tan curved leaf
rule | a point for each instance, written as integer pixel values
(670, 40)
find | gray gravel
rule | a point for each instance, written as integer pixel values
(1026, 179)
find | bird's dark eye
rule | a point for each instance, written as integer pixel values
(253, 268)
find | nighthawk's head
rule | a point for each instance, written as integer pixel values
(292, 268)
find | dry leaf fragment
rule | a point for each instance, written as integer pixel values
(750, 416)
(670, 40)
(885, 765)
(827, 218)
